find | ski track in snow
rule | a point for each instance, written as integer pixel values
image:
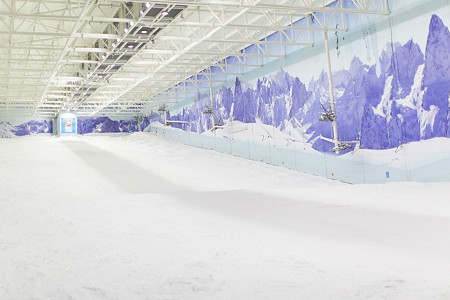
(139, 217)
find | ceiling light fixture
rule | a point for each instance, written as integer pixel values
(147, 5)
(164, 13)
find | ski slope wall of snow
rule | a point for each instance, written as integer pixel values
(391, 82)
(136, 216)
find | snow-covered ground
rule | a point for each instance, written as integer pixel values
(139, 217)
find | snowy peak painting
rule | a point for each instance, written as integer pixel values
(105, 125)
(404, 97)
(7, 130)
(85, 125)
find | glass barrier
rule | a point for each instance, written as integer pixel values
(223, 145)
(240, 148)
(208, 142)
(260, 152)
(368, 166)
(195, 139)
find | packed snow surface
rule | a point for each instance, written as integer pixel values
(139, 217)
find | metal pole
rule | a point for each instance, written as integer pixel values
(330, 88)
(211, 100)
(165, 117)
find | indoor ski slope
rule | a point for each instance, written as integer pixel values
(140, 217)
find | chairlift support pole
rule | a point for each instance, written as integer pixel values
(330, 88)
(163, 110)
(211, 99)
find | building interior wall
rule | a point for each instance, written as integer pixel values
(391, 84)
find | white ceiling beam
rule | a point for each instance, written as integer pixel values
(316, 6)
(87, 9)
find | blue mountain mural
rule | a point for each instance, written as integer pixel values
(105, 125)
(436, 78)
(34, 127)
(403, 98)
(7, 130)
(84, 125)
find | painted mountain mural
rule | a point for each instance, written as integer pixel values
(105, 125)
(404, 98)
(85, 125)
(7, 130)
(34, 127)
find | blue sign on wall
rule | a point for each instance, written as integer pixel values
(68, 125)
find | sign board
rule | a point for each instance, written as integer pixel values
(67, 124)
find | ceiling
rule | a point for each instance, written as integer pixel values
(123, 58)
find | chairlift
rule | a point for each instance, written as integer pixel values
(327, 115)
(341, 147)
(208, 110)
(218, 124)
(139, 119)
(162, 108)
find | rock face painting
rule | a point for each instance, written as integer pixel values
(7, 130)
(404, 98)
(84, 125)
(105, 125)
